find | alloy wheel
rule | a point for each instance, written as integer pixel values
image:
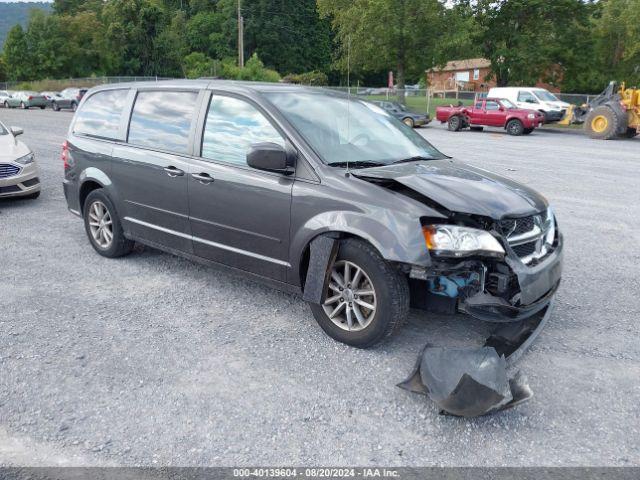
(100, 224)
(351, 297)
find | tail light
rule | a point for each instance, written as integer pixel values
(65, 155)
(30, 97)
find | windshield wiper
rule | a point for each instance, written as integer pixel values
(417, 158)
(357, 164)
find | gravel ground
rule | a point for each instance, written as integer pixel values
(154, 360)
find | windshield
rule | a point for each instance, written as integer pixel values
(545, 96)
(341, 130)
(506, 103)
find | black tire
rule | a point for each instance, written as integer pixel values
(120, 245)
(392, 297)
(55, 107)
(514, 127)
(454, 124)
(32, 196)
(23, 106)
(601, 123)
(527, 131)
(408, 121)
(74, 106)
(6, 104)
(630, 133)
(476, 128)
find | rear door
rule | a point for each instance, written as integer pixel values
(239, 215)
(150, 171)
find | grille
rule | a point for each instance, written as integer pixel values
(8, 170)
(10, 189)
(525, 249)
(516, 226)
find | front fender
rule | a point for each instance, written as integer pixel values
(396, 236)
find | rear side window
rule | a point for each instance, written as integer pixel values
(100, 114)
(162, 120)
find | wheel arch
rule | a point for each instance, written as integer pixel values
(92, 179)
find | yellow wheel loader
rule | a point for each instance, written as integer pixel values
(613, 113)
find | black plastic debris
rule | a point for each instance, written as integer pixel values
(466, 382)
(469, 382)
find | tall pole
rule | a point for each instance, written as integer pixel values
(240, 36)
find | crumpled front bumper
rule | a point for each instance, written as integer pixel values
(538, 286)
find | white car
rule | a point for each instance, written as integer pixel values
(533, 98)
(18, 168)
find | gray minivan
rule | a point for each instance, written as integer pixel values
(313, 192)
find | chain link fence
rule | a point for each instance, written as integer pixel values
(418, 100)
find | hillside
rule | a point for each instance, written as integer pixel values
(18, 12)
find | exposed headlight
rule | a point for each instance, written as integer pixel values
(26, 159)
(455, 241)
(531, 116)
(550, 227)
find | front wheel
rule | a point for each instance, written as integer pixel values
(408, 122)
(366, 299)
(515, 127)
(103, 226)
(455, 123)
(6, 104)
(23, 106)
(74, 106)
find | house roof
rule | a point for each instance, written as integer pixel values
(466, 64)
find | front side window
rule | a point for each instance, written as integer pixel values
(545, 96)
(162, 120)
(100, 114)
(232, 126)
(340, 129)
(507, 104)
(528, 97)
(493, 106)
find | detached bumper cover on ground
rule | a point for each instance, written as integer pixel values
(473, 381)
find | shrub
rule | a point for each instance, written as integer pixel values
(315, 78)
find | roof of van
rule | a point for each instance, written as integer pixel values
(205, 83)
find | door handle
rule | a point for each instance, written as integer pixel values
(173, 171)
(203, 178)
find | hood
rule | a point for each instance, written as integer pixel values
(10, 148)
(462, 188)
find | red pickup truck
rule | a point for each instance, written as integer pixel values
(491, 112)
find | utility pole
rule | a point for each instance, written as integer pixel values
(240, 36)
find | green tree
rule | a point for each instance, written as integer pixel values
(377, 35)
(17, 56)
(527, 40)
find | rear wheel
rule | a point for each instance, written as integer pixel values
(408, 121)
(103, 226)
(55, 107)
(23, 106)
(454, 123)
(367, 300)
(74, 106)
(601, 123)
(6, 104)
(515, 127)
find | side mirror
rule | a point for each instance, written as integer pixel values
(268, 156)
(501, 108)
(17, 131)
